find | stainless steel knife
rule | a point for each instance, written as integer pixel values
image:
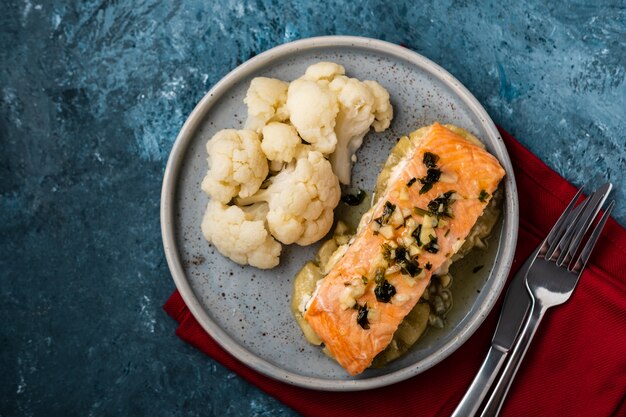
(516, 305)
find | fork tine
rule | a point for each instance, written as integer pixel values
(586, 252)
(557, 246)
(579, 228)
(600, 197)
(561, 225)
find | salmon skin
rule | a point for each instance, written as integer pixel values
(433, 198)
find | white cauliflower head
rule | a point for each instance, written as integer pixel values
(280, 142)
(360, 103)
(383, 112)
(356, 114)
(237, 165)
(240, 234)
(326, 109)
(312, 110)
(301, 200)
(323, 71)
(266, 98)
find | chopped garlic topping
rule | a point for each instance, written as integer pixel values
(404, 195)
(426, 233)
(386, 231)
(457, 245)
(414, 250)
(392, 269)
(396, 218)
(350, 294)
(401, 298)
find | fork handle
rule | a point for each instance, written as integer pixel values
(481, 383)
(502, 388)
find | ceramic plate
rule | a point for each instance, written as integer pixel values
(246, 310)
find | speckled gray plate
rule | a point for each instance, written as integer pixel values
(246, 310)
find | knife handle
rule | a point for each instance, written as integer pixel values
(492, 409)
(482, 382)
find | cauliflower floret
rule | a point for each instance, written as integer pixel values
(240, 234)
(237, 165)
(383, 111)
(266, 98)
(356, 114)
(280, 142)
(360, 105)
(313, 107)
(323, 71)
(301, 199)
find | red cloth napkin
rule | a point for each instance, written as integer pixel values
(576, 365)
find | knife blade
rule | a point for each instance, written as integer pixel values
(515, 307)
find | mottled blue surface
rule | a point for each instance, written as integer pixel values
(92, 96)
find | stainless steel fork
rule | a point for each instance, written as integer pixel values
(512, 319)
(551, 280)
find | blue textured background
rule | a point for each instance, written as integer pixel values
(92, 96)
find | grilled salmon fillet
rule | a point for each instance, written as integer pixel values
(431, 201)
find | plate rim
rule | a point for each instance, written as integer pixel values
(508, 235)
